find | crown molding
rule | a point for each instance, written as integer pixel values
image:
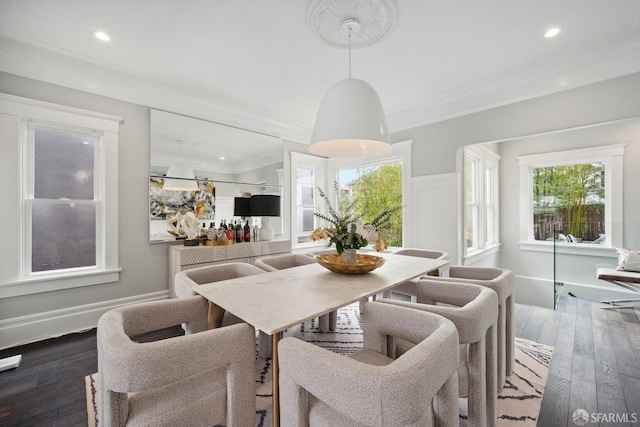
(73, 72)
(569, 72)
(603, 63)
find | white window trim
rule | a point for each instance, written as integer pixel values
(612, 157)
(14, 111)
(483, 250)
(311, 162)
(400, 151)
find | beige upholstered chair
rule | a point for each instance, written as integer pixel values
(409, 288)
(502, 282)
(205, 376)
(186, 280)
(420, 388)
(327, 322)
(473, 310)
(281, 262)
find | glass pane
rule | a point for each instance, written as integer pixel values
(306, 194)
(63, 236)
(308, 220)
(489, 186)
(471, 172)
(490, 222)
(370, 190)
(305, 191)
(573, 198)
(63, 165)
(472, 227)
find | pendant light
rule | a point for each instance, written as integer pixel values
(350, 121)
(180, 177)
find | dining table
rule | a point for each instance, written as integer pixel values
(275, 301)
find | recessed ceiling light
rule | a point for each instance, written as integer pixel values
(102, 36)
(552, 32)
(221, 158)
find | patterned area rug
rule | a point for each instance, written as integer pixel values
(518, 403)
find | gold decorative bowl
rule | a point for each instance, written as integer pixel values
(363, 264)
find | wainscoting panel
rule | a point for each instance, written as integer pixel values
(434, 211)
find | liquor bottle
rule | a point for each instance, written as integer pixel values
(230, 232)
(247, 232)
(239, 232)
(256, 232)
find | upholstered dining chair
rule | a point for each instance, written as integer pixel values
(205, 376)
(502, 282)
(419, 388)
(473, 310)
(327, 322)
(186, 280)
(409, 288)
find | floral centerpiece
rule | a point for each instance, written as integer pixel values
(347, 231)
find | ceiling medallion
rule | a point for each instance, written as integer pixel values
(374, 17)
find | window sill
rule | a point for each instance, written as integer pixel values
(479, 254)
(569, 248)
(35, 285)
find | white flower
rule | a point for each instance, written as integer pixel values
(367, 231)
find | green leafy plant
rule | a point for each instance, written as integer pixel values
(346, 229)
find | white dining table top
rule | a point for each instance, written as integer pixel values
(277, 300)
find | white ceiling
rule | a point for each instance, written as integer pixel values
(258, 64)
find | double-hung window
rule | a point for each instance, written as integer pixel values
(63, 200)
(60, 169)
(481, 226)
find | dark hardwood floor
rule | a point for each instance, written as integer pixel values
(595, 366)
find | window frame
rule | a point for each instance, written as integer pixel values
(487, 161)
(16, 114)
(29, 199)
(612, 158)
(319, 165)
(400, 152)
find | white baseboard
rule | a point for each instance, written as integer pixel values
(40, 326)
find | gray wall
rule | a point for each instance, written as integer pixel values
(435, 145)
(566, 120)
(145, 266)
